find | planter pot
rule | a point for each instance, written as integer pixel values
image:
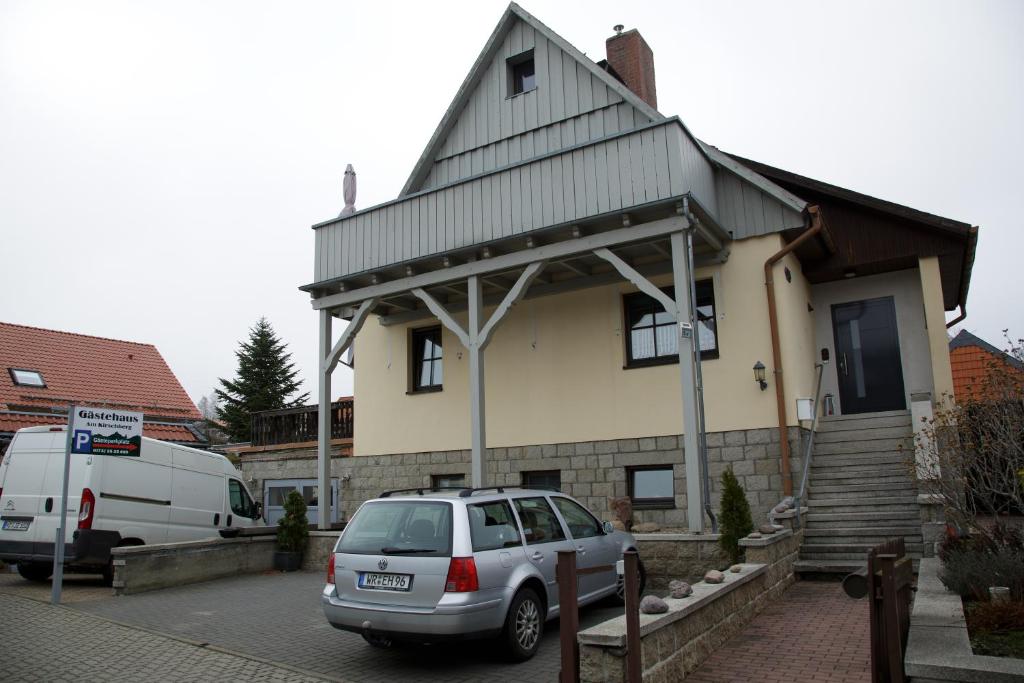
(287, 562)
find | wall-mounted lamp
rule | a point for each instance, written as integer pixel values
(759, 375)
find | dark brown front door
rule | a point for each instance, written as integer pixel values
(868, 356)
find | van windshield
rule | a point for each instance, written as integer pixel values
(400, 527)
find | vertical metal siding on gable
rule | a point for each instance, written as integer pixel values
(565, 89)
(747, 211)
(642, 167)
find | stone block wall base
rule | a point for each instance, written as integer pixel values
(593, 472)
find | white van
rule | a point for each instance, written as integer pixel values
(168, 493)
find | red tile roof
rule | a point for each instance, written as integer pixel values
(12, 422)
(90, 370)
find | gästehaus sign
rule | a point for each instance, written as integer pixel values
(102, 431)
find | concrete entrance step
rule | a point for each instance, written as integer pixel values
(834, 566)
(861, 460)
(832, 419)
(862, 477)
(868, 517)
(860, 433)
(898, 445)
(865, 503)
(838, 487)
(847, 533)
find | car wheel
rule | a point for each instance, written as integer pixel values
(524, 625)
(620, 585)
(35, 571)
(378, 640)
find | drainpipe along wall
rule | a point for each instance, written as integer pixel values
(773, 322)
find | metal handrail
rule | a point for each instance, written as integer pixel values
(798, 501)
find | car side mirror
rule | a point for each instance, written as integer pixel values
(608, 528)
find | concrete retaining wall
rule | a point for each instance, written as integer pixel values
(675, 643)
(678, 556)
(939, 648)
(151, 567)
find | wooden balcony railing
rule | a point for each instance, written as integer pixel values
(295, 425)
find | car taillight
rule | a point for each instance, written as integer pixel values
(86, 509)
(462, 576)
(330, 570)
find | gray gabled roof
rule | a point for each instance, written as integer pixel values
(513, 13)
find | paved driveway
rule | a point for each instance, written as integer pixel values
(277, 617)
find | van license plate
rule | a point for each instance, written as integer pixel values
(16, 525)
(385, 582)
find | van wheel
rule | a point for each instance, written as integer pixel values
(108, 573)
(35, 571)
(620, 586)
(524, 625)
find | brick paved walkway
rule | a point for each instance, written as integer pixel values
(41, 642)
(815, 633)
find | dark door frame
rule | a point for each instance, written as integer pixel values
(880, 367)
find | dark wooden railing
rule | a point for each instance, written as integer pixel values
(295, 425)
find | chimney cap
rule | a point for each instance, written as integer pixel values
(618, 29)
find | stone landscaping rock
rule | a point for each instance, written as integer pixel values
(736, 568)
(785, 505)
(714, 576)
(680, 589)
(646, 528)
(767, 529)
(652, 604)
(754, 534)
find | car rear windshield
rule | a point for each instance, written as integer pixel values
(399, 527)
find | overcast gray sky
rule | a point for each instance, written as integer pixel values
(161, 162)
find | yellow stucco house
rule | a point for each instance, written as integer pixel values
(574, 291)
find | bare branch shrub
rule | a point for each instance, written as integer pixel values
(973, 449)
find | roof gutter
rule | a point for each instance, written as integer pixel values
(965, 276)
(817, 225)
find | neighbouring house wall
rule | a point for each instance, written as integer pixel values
(915, 345)
(554, 372)
(935, 319)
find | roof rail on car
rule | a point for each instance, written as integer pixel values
(420, 489)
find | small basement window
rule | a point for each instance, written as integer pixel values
(27, 378)
(521, 74)
(447, 481)
(652, 487)
(543, 479)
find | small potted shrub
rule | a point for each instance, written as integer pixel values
(734, 521)
(292, 534)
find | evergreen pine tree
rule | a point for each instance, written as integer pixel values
(265, 380)
(734, 520)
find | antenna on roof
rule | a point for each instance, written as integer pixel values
(348, 189)
(618, 29)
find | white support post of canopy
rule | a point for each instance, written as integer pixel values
(477, 413)
(327, 360)
(688, 374)
(681, 309)
(475, 339)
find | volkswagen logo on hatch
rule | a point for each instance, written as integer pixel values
(382, 564)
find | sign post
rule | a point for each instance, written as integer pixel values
(91, 431)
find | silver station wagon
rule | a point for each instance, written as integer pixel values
(426, 565)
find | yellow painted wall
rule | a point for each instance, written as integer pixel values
(554, 371)
(935, 319)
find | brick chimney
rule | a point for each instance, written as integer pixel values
(631, 58)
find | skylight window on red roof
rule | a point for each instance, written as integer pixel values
(27, 378)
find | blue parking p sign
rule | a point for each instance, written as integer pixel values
(82, 442)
